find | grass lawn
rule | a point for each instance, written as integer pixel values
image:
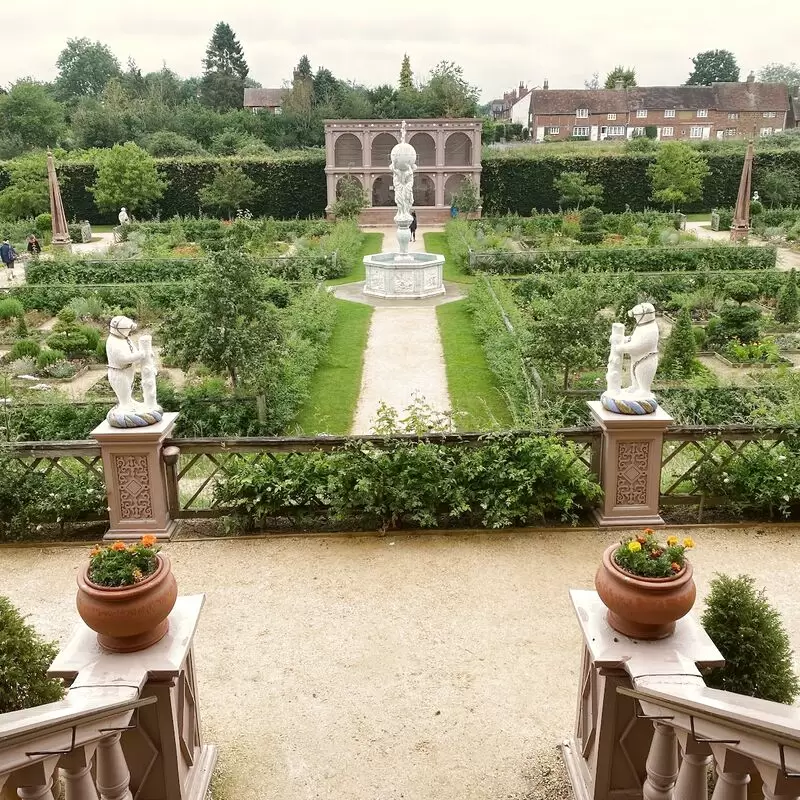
(371, 242)
(437, 243)
(705, 216)
(336, 383)
(473, 392)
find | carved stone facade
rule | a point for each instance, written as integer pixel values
(448, 153)
(133, 480)
(632, 461)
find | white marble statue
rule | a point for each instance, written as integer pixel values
(642, 349)
(123, 216)
(123, 355)
(403, 159)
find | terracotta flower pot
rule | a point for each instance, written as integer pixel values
(129, 618)
(643, 608)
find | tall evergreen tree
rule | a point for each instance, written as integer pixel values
(224, 70)
(787, 310)
(303, 68)
(406, 75)
(625, 74)
(680, 350)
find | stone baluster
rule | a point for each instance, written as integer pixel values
(662, 764)
(41, 792)
(692, 781)
(113, 776)
(731, 785)
(76, 770)
(34, 782)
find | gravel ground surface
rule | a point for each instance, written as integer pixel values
(428, 667)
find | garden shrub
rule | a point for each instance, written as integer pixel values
(678, 359)
(69, 337)
(47, 357)
(750, 635)
(742, 291)
(10, 308)
(786, 311)
(24, 660)
(591, 231)
(43, 224)
(24, 348)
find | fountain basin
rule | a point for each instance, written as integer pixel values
(413, 275)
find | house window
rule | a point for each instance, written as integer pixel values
(579, 130)
(702, 112)
(769, 114)
(766, 131)
(670, 112)
(638, 131)
(668, 131)
(730, 132)
(612, 116)
(642, 113)
(552, 131)
(733, 115)
(696, 132)
(616, 130)
(582, 112)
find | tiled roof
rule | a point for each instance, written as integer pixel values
(567, 101)
(677, 97)
(755, 97)
(263, 98)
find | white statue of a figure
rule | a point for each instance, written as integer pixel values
(123, 355)
(642, 348)
(123, 216)
(403, 159)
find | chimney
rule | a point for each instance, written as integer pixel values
(619, 85)
(521, 88)
(751, 78)
(545, 85)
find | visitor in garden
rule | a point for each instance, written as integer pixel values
(413, 226)
(34, 247)
(8, 255)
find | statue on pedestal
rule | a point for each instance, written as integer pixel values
(642, 349)
(123, 216)
(123, 355)
(403, 161)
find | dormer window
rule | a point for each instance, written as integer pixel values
(582, 112)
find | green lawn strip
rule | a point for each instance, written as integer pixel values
(437, 243)
(371, 242)
(473, 392)
(337, 381)
(705, 216)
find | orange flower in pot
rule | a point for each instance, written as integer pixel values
(646, 585)
(125, 594)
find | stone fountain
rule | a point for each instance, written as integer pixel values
(403, 274)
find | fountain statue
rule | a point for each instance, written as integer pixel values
(403, 274)
(123, 355)
(642, 349)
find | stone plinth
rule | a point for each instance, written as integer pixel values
(630, 466)
(606, 757)
(135, 479)
(164, 750)
(413, 276)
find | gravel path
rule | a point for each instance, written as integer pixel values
(420, 667)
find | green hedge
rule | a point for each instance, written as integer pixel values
(621, 259)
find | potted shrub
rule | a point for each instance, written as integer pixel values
(646, 585)
(125, 594)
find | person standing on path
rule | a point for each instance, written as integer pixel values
(34, 247)
(413, 226)
(8, 255)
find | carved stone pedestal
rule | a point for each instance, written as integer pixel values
(135, 479)
(630, 466)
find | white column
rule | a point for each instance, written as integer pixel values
(662, 764)
(731, 785)
(76, 769)
(113, 775)
(692, 781)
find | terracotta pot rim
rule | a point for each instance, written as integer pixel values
(123, 592)
(681, 577)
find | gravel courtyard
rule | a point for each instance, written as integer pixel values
(374, 668)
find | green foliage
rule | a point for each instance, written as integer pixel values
(646, 557)
(70, 338)
(43, 224)
(351, 198)
(680, 349)
(742, 291)
(749, 632)
(591, 231)
(10, 308)
(26, 193)
(230, 189)
(29, 112)
(24, 348)
(779, 188)
(84, 69)
(48, 357)
(759, 352)
(734, 322)
(677, 174)
(466, 198)
(505, 481)
(121, 565)
(713, 66)
(780, 73)
(24, 660)
(574, 188)
(786, 311)
(625, 74)
(163, 144)
(126, 176)
(406, 83)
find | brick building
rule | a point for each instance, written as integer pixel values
(719, 111)
(500, 108)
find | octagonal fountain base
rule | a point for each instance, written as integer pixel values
(415, 275)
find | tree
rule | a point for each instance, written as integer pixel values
(224, 70)
(713, 66)
(230, 189)
(229, 324)
(780, 73)
(325, 89)
(406, 83)
(574, 188)
(593, 82)
(567, 333)
(680, 349)
(677, 174)
(750, 635)
(163, 144)
(27, 193)
(447, 93)
(31, 113)
(126, 176)
(351, 198)
(303, 68)
(787, 309)
(84, 69)
(625, 74)
(778, 188)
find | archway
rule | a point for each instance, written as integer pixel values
(424, 190)
(382, 146)
(347, 151)
(343, 181)
(458, 150)
(381, 196)
(451, 187)
(426, 150)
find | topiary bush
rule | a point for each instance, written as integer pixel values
(24, 348)
(10, 308)
(680, 349)
(69, 337)
(750, 634)
(24, 660)
(591, 231)
(742, 291)
(786, 311)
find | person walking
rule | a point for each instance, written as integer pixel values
(8, 255)
(34, 247)
(413, 226)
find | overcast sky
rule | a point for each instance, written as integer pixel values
(364, 40)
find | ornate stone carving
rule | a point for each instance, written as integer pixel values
(632, 462)
(404, 281)
(133, 480)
